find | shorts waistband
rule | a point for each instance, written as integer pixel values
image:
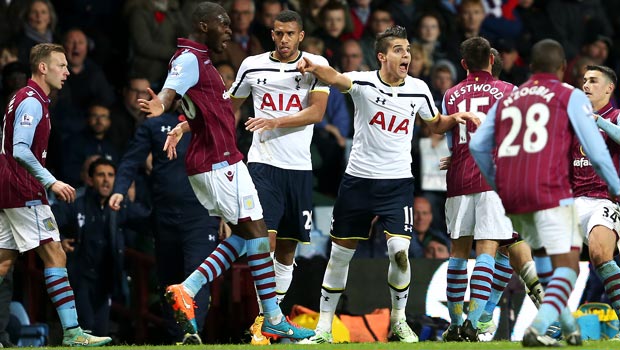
(219, 165)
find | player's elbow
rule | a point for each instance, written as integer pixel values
(20, 152)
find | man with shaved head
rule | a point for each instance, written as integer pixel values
(216, 171)
(534, 128)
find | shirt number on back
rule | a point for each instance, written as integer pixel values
(474, 107)
(535, 136)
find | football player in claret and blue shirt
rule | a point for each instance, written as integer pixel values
(26, 219)
(218, 176)
(534, 128)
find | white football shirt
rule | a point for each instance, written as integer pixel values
(384, 120)
(279, 90)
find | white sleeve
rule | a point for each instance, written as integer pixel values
(428, 111)
(241, 88)
(319, 85)
(355, 88)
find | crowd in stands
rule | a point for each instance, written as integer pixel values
(117, 49)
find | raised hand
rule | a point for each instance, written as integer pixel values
(305, 65)
(153, 107)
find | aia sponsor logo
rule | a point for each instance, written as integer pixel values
(278, 103)
(391, 124)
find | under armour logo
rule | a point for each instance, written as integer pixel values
(212, 238)
(380, 100)
(81, 218)
(298, 79)
(403, 297)
(412, 109)
(264, 81)
(325, 297)
(166, 128)
(230, 175)
(408, 228)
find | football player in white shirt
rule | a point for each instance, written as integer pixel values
(286, 105)
(378, 179)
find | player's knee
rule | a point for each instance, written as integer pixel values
(398, 251)
(402, 260)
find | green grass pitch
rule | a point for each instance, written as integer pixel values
(590, 345)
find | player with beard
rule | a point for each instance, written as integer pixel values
(286, 104)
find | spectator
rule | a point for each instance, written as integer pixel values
(263, 23)
(359, 14)
(574, 21)
(311, 13)
(404, 13)
(103, 24)
(513, 69)
(429, 30)
(443, 77)
(244, 43)
(125, 114)
(380, 20)
(502, 20)
(8, 54)
(352, 57)
(436, 249)
(94, 242)
(470, 16)
(421, 64)
(94, 140)
(38, 26)
(423, 233)
(594, 51)
(85, 84)
(332, 26)
(154, 26)
(9, 20)
(14, 77)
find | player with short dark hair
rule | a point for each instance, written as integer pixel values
(286, 104)
(378, 179)
(534, 128)
(473, 210)
(216, 171)
(26, 219)
(598, 213)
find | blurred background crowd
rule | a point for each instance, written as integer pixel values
(117, 49)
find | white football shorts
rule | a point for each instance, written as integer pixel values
(228, 192)
(480, 215)
(26, 228)
(555, 229)
(597, 211)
